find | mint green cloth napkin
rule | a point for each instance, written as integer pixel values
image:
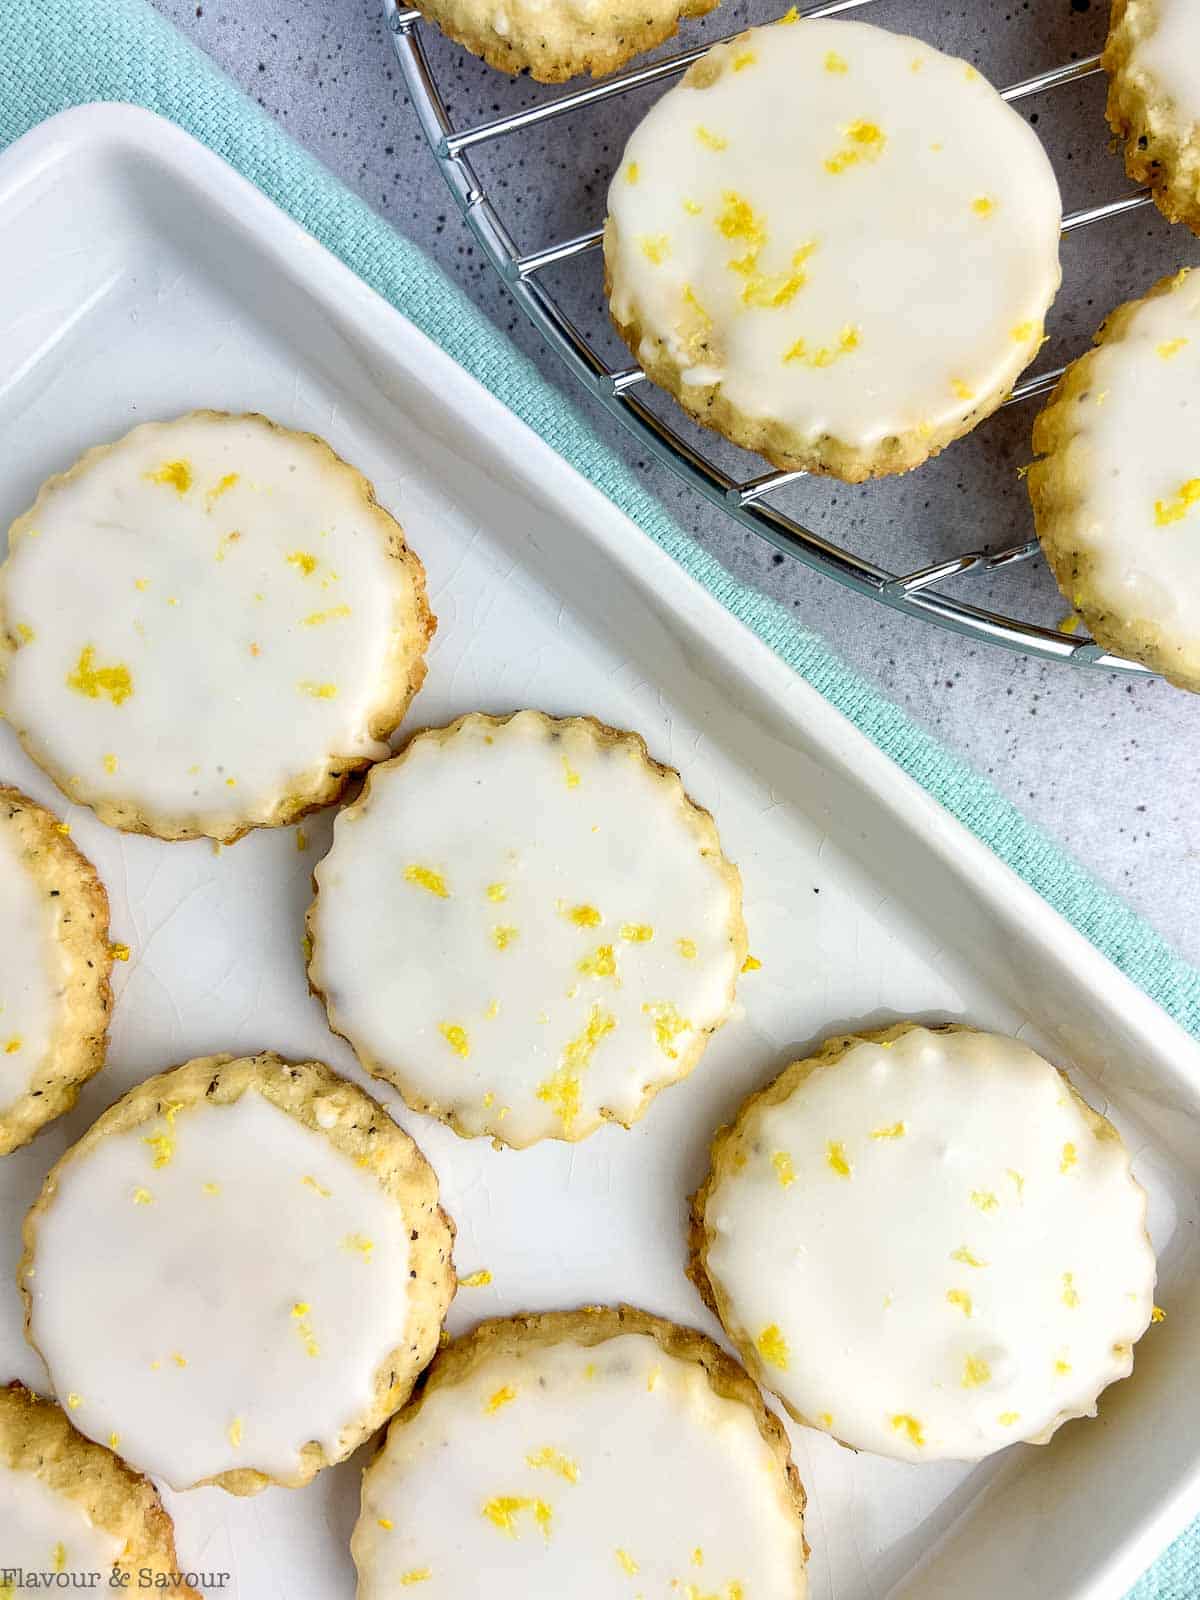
(60, 53)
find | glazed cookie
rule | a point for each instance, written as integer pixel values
(54, 965)
(208, 626)
(583, 1452)
(237, 1273)
(834, 245)
(1153, 63)
(1116, 493)
(527, 926)
(70, 1508)
(926, 1244)
(553, 43)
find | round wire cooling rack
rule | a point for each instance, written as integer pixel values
(618, 388)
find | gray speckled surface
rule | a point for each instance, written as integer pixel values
(1103, 762)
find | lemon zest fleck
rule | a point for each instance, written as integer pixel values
(304, 562)
(627, 1563)
(836, 63)
(636, 932)
(773, 1347)
(176, 473)
(1171, 347)
(602, 963)
(1174, 510)
(866, 142)
(895, 1130)
(976, 1372)
(835, 1158)
(476, 1280)
(686, 948)
(751, 964)
(504, 934)
(426, 878)
(456, 1037)
(503, 1510)
(785, 1170)
(903, 1423)
(554, 1461)
(711, 141)
(668, 1025)
(113, 683)
(1069, 1157)
(961, 1299)
(503, 1396)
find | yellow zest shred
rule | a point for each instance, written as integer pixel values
(686, 948)
(866, 141)
(636, 932)
(1070, 1157)
(656, 247)
(426, 878)
(894, 1130)
(178, 474)
(304, 1328)
(235, 1432)
(119, 952)
(627, 1563)
(710, 140)
(632, 173)
(602, 963)
(1158, 1314)
(984, 1200)
(744, 59)
(751, 964)
(1169, 511)
(983, 205)
(773, 1347)
(1070, 1294)
(504, 934)
(415, 1575)
(836, 63)
(976, 1372)
(359, 1244)
(317, 691)
(583, 916)
(476, 1280)
(142, 1197)
(835, 1158)
(903, 1423)
(824, 355)
(785, 1170)
(561, 1091)
(964, 1255)
(316, 619)
(304, 562)
(503, 1510)
(456, 1037)
(113, 683)
(497, 891)
(554, 1461)
(668, 1025)
(1170, 347)
(502, 1397)
(961, 1299)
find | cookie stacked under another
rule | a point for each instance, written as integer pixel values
(237, 1273)
(926, 1244)
(601, 1451)
(208, 626)
(833, 244)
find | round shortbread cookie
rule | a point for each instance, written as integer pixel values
(237, 1273)
(834, 245)
(55, 961)
(527, 926)
(926, 1244)
(583, 1452)
(1153, 63)
(70, 1508)
(1116, 493)
(208, 626)
(560, 41)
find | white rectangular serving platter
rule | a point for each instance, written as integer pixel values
(140, 278)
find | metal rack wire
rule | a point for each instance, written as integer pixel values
(617, 388)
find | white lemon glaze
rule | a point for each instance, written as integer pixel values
(629, 1476)
(216, 1289)
(1170, 56)
(1134, 454)
(201, 617)
(931, 1250)
(869, 232)
(30, 973)
(526, 926)
(44, 1532)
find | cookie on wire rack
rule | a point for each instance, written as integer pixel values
(71, 1508)
(527, 926)
(237, 1273)
(926, 1244)
(1116, 486)
(1153, 63)
(565, 40)
(55, 961)
(598, 1452)
(208, 626)
(834, 245)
